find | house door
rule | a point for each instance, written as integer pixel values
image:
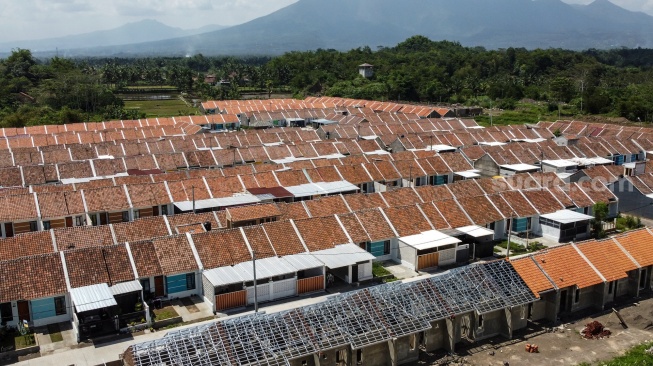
(614, 290)
(155, 211)
(158, 286)
(354, 273)
(23, 311)
(69, 221)
(9, 230)
(563, 301)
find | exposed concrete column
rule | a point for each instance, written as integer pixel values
(316, 359)
(450, 345)
(393, 352)
(508, 312)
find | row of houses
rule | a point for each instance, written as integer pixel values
(391, 323)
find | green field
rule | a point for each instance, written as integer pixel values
(162, 108)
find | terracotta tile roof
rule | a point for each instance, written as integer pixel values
(531, 274)
(190, 218)
(45, 279)
(326, 174)
(221, 248)
(189, 228)
(83, 237)
(480, 209)
(388, 170)
(560, 194)
(34, 175)
(174, 255)
(106, 199)
(456, 162)
(10, 177)
(580, 198)
(28, 244)
(522, 181)
(376, 226)
(253, 212)
(292, 211)
(638, 243)
(18, 207)
(565, 267)
(289, 178)
(452, 212)
(86, 267)
(354, 174)
(283, 238)
(259, 242)
(359, 202)
(266, 179)
(145, 259)
(466, 188)
(543, 201)
(613, 266)
(434, 216)
(321, 233)
(492, 186)
(354, 228)
(401, 197)
(327, 206)
(118, 264)
(597, 192)
(141, 195)
(407, 220)
(60, 204)
(519, 203)
(434, 193)
(141, 229)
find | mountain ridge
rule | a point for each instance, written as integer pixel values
(346, 24)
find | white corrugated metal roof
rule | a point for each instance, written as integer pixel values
(560, 163)
(223, 276)
(429, 239)
(336, 187)
(242, 199)
(519, 167)
(126, 287)
(468, 174)
(475, 231)
(343, 256)
(92, 297)
(265, 268)
(567, 216)
(303, 261)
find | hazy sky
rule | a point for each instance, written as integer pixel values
(36, 19)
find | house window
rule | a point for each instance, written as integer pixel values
(137, 214)
(164, 209)
(46, 225)
(359, 356)
(60, 305)
(386, 247)
(480, 321)
(379, 248)
(610, 287)
(94, 220)
(577, 296)
(125, 216)
(80, 221)
(6, 313)
(33, 226)
(190, 281)
(642, 279)
(340, 356)
(491, 226)
(145, 283)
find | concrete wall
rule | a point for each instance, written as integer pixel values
(546, 308)
(326, 358)
(407, 349)
(631, 200)
(436, 338)
(494, 323)
(375, 355)
(208, 291)
(487, 166)
(407, 255)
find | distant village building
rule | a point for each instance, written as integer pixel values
(366, 70)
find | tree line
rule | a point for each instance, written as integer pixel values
(616, 82)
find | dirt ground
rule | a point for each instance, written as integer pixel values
(563, 345)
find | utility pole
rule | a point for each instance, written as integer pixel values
(193, 191)
(431, 142)
(255, 289)
(582, 88)
(490, 112)
(410, 171)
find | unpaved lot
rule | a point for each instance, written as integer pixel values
(563, 345)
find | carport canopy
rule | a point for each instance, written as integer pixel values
(475, 231)
(92, 297)
(429, 240)
(343, 255)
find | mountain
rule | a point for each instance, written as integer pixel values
(346, 24)
(137, 32)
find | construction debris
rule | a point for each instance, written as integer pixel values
(595, 330)
(621, 319)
